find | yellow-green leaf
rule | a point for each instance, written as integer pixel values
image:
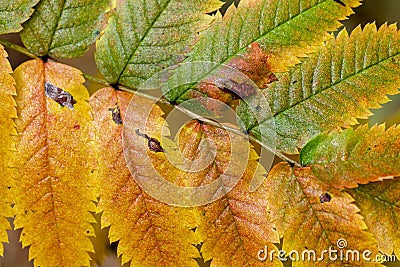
(55, 187)
(285, 30)
(380, 206)
(332, 88)
(13, 13)
(62, 28)
(351, 157)
(7, 130)
(144, 37)
(150, 233)
(313, 216)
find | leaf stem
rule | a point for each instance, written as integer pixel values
(193, 115)
(18, 48)
(95, 79)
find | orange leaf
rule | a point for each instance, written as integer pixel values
(150, 233)
(7, 129)
(379, 204)
(312, 216)
(55, 186)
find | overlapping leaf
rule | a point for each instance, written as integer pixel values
(237, 227)
(55, 187)
(233, 229)
(333, 87)
(14, 13)
(380, 206)
(285, 30)
(7, 129)
(64, 28)
(150, 233)
(352, 157)
(144, 37)
(312, 216)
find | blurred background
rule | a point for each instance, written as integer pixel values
(378, 11)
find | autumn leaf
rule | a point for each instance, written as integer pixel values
(379, 205)
(235, 228)
(285, 31)
(13, 13)
(332, 88)
(55, 187)
(7, 131)
(313, 216)
(149, 233)
(144, 37)
(64, 28)
(351, 157)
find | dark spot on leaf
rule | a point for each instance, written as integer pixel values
(294, 82)
(238, 90)
(116, 115)
(153, 144)
(62, 97)
(97, 32)
(77, 126)
(340, 2)
(193, 229)
(258, 108)
(325, 198)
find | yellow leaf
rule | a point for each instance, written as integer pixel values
(314, 219)
(55, 186)
(7, 130)
(379, 205)
(150, 233)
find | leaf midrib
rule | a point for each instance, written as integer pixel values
(241, 50)
(53, 32)
(162, 9)
(327, 88)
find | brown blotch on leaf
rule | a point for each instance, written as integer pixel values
(153, 144)
(239, 90)
(62, 97)
(255, 64)
(325, 198)
(340, 2)
(116, 115)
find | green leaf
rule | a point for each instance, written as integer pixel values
(346, 159)
(64, 28)
(143, 37)
(380, 206)
(13, 13)
(285, 30)
(312, 216)
(333, 87)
